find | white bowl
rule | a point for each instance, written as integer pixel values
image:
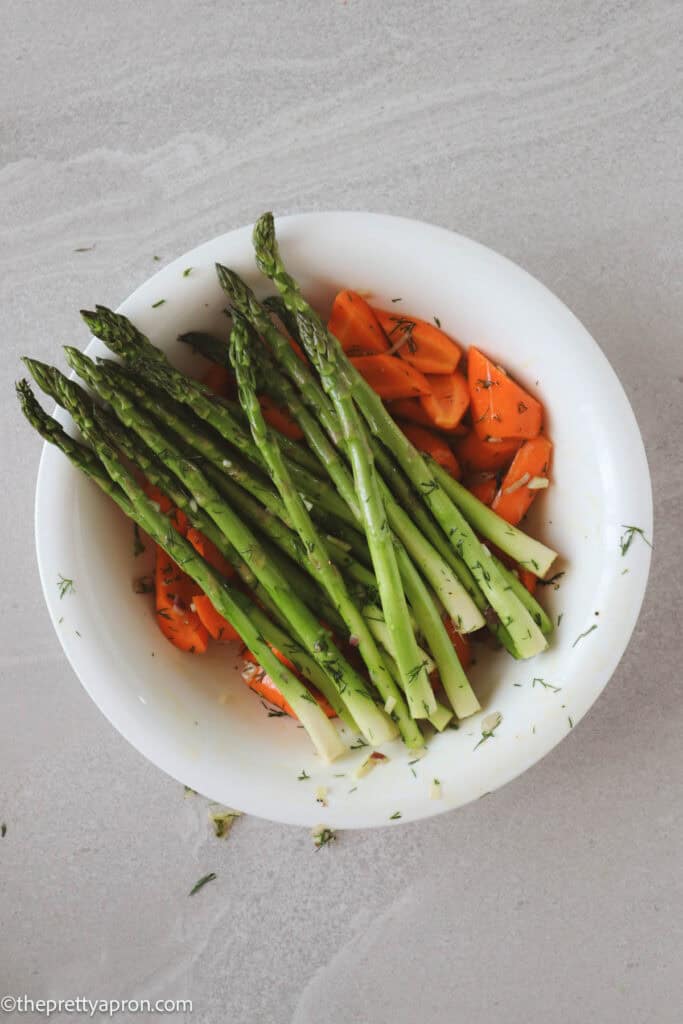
(167, 703)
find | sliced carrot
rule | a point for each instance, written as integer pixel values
(298, 350)
(420, 343)
(500, 407)
(220, 380)
(175, 592)
(264, 685)
(529, 579)
(217, 626)
(391, 378)
(447, 400)
(208, 550)
(429, 442)
(354, 324)
(278, 418)
(250, 656)
(515, 496)
(460, 643)
(485, 456)
(484, 488)
(409, 409)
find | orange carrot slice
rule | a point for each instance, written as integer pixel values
(354, 324)
(460, 643)
(500, 407)
(216, 625)
(175, 592)
(484, 488)
(485, 456)
(447, 400)
(250, 656)
(420, 343)
(528, 579)
(391, 378)
(261, 683)
(220, 380)
(264, 685)
(279, 419)
(410, 410)
(530, 464)
(208, 550)
(429, 442)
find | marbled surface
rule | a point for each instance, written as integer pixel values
(551, 132)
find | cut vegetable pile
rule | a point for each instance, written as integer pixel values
(341, 498)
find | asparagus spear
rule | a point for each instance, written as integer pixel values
(529, 553)
(316, 551)
(109, 473)
(525, 634)
(123, 338)
(375, 725)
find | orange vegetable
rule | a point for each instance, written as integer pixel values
(460, 643)
(175, 592)
(217, 626)
(500, 407)
(264, 685)
(266, 688)
(250, 656)
(514, 497)
(298, 350)
(485, 456)
(420, 343)
(391, 378)
(483, 488)
(447, 400)
(279, 419)
(409, 409)
(220, 380)
(354, 324)
(529, 579)
(208, 550)
(429, 442)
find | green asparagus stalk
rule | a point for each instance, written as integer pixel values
(375, 725)
(525, 634)
(439, 718)
(526, 551)
(236, 607)
(316, 551)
